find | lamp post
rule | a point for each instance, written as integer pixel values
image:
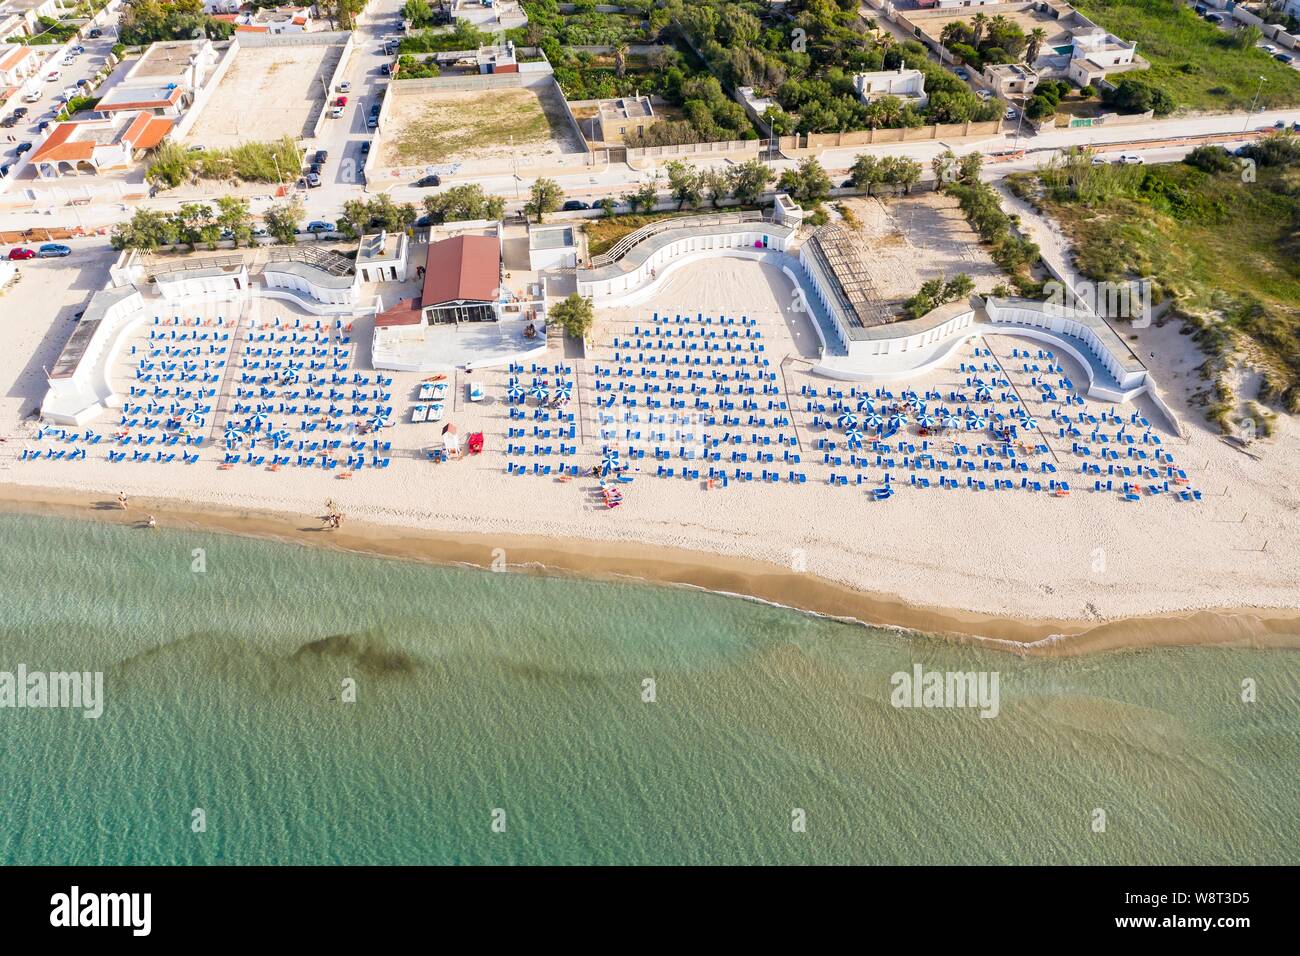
(1259, 89)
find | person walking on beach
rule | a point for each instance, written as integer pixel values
(152, 522)
(121, 500)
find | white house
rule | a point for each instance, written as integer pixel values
(17, 63)
(906, 85)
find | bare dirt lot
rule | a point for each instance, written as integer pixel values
(269, 92)
(919, 237)
(440, 127)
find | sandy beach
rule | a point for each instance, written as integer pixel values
(1047, 575)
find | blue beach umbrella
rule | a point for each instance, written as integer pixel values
(515, 391)
(897, 420)
(539, 391)
(866, 405)
(983, 394)
(847, 420)
(926, 420)
(874, 421)
(609, 462)
(854, 438)
(378, 422)
(564, 390)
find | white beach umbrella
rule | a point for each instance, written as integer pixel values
(515, 391)
(854, 437)
(874, 421)
(564, 389)
(847, 420)
(539, 390)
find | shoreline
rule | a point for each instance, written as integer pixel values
(731, 576)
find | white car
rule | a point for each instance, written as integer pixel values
(32, 96)
(1268, 48)
(336, 112)
(53, 75)
(1130, 159)
(1099, 160)
(984, 95)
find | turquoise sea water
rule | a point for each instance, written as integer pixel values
(480, 691)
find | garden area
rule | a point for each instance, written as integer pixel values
(1219, 236)
(279, 161)
(1199, 66)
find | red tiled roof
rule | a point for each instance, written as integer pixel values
(57, 148)
(462, 268)
(153, 133)
(403, 312)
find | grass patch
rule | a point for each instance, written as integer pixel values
(604, 233)
(459, 127)
(1226, 251)
(1194, 60)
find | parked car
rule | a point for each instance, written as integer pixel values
(374, 109)
(314, 168)
(95, 33)
(31, 96)
(1011, 113)
(336, 112)
(1268, 48)
(961, 74)
(365, 147)
(386, 69)
(53, 250)
(8, 122)
(426, 182)
(313, 180)
(341, 101)
(344, 87)
(78, 49)
(18, 253)
(4, 170)
(1130, 159)
(573, 205)
(69, 60)
(22, 148)
(320, 225)
(1213, 18)
(1284, 57)
(984, 95)
(20, 112)
(424, 222)
(196, 148)
(260, 232)
(321, 156)
(1099, 160)
(372, 122)
(42, 126)
(53, 74)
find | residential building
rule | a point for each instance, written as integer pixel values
(90, 147)
(1011, 79)
(906, 85)
(17, 63)
(627, 116)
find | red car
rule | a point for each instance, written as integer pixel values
(341, 101)
(21, 253)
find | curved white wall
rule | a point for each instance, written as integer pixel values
(619, 289)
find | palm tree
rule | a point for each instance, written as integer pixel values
(1036, 38)
(952, 33)
(980, 21)
(620, 60)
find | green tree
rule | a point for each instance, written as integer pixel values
(145, 231)
(282, 221)
(463, 202)
(545, 196)
(575, 314)
(233, 217)
(608, 205)
(808, 183)
(683, 183)
(418, 13)
(715, 185)
(749, 181)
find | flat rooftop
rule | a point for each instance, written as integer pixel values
(556, 237)
(170, 58)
